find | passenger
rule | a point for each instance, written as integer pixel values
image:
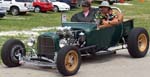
(107, 17)
(87, 14)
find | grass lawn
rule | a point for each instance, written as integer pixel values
(138, 11)
(32, 20)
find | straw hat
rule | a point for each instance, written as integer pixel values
(105, 4)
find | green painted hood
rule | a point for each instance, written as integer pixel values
(50, 34)
(87, 27)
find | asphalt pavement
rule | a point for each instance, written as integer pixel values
(110, 65)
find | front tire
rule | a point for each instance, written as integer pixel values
(37, 9)
(138, 42)
(68, 60)
(10, 51)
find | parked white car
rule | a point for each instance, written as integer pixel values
(60, 6)
(16, 7)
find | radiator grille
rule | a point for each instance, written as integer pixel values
(46, 46)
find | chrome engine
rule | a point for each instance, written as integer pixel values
(69, 36)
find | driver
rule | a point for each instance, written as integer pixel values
(86, 15)
(107, 17)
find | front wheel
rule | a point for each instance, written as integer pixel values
(68, 60)
(37, 9)
(11, 51)
(138, 42)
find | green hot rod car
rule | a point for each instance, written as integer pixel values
(63, 49)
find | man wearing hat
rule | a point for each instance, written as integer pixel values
(107, 16)
(87, 14)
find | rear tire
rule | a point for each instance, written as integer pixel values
(14, 11)
(68, 60)
(138, 42)
(10, 50)
(55, 9)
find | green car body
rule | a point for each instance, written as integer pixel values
(103, 38)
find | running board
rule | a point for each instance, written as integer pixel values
(117, 47)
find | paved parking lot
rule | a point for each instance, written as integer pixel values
(114, 65)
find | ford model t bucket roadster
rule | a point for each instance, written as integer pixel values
(63, 49)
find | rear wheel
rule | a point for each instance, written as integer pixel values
(11, 51)
(68, 60)
(138, 42)
(14, 11)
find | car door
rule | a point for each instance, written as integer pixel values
(106, 37)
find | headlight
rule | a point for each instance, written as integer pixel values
(31, 41)
(62, 43)
(30, 44)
